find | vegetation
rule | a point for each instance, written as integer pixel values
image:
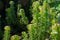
(45, 23)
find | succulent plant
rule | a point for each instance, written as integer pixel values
(15, 37)
(6, 35)
(45, 23)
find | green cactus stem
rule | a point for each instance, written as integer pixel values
(15, 37)
(24, 36)
(24, 18)
(6, 35)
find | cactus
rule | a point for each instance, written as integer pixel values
(24, 36)
(15, 37)
(45, 24)
(55, 34)
(24, 18)
(11, 14)
(32, 32)
(38, 23)
(6, 35)
(18, 10)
